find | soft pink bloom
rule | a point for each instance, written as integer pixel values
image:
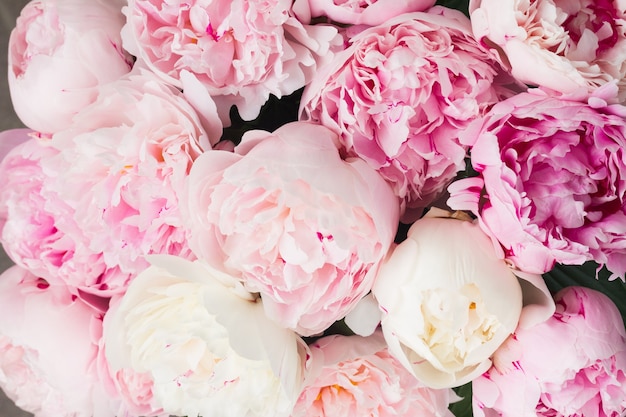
(83, 208)
(119, 169)
(241, 51)
(399, 96)
(550, 187)
(561, 45)
(297, 223)
(355, 376)
(38, 232)
(357, 12)
(60, 51)
(574, 364)
(48, 349)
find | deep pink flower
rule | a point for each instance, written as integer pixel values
(561, 45)
(551, 186)
(399, 95)
(574, 364)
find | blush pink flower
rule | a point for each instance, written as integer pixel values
(83, 208)
(357, 12)
(48, 348)
(356, 376)
(241, 51)
(293, 220)
(399, 95)
(37, 230)
(118, 169)
(574, 364)
(550, 186)
(558, 44)
(60, 51)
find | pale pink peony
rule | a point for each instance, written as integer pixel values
(60, 51)
(355, 376)
(550, 186)
(563, 45)
(574, 364)
(37, 231)
(297, 223)
(83, 208)
(399, 96)
(119, 167)
(357, 12)
(48, 349)
(242, 51)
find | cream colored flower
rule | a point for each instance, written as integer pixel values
(205, 342)
(448, 301)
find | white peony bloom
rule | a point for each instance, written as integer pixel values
(205, 342)
(448, 300)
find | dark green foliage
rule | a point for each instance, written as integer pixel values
(462, 5)
(274, 113)
(463, 408)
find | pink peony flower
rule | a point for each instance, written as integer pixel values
(37, 231)
(399, 96)
(561, 45)
(83, 208)
(355, 376)
(48, 349)
(242, 51)
(550, 187)
(357, 12)
(574, 364)
(297, 223)
(119, 167)
(60, 51)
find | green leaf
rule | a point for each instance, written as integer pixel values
(463, 408)
(562, 276)
(462, 5)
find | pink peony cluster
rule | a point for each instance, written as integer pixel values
(534, 374)
(245, 208)
(550, 186)
(399, 96)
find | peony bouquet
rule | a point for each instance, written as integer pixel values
(299, 208)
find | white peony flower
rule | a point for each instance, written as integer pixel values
(205, 342)
(448, 301)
